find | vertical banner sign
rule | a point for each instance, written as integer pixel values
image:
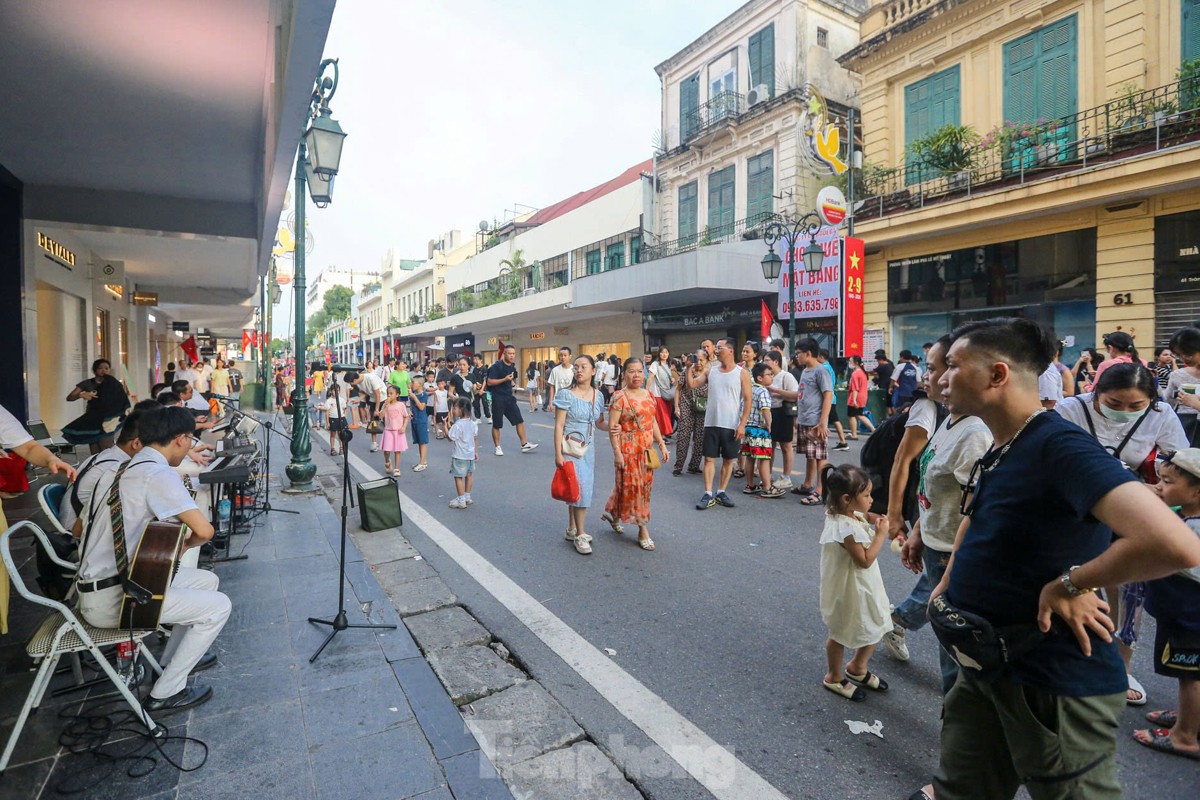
(817, 293)
(852, 297)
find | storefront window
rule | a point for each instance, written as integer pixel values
(123, 341)
(102, 334)
(1043, 269)
(1177, 252)
(621, 350)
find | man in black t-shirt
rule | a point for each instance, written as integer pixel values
(443, 373)
(1037, 539)
(480, 403)
(500, 379)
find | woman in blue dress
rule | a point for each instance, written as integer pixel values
(578, 412)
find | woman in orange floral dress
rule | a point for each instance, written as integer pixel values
(633, 430)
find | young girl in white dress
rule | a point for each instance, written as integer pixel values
(854, 603)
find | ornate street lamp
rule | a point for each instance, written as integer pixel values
(790, 231)
(317, 161)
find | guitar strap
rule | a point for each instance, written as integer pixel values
(117, 516)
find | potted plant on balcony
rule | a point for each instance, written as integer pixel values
(1189, 86)
(949, 152)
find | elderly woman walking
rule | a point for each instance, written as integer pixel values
(578, 411)
(633, 430)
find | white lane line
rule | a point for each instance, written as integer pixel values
(713, 766)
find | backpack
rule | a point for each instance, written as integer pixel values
(879, 454)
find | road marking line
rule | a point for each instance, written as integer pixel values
(713, 766)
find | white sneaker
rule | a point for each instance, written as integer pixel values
(499, 452)
(420, 467)
(457, 503)
(528, 447)
(783, 483)
(581, 541)
(374, 448)
(468, 500)
(894, 642)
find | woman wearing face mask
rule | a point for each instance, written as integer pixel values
(1182, 383)
(1124, 415)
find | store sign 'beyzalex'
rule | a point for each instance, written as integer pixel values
(55, 249)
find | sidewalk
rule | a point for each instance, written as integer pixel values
(369, 719)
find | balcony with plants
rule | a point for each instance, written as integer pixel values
(956, 162)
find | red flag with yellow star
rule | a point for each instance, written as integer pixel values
(854, 271)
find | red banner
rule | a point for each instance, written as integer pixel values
(855, 270)
(387, 353)
(764, 328)
(188, 346)
(247, 339)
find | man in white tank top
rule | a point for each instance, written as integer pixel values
(729, 393)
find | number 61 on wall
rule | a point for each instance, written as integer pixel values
(1123, 299)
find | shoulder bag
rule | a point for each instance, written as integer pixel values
(574, 444)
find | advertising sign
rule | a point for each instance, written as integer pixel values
(817, 293)
(831, 206)
(852, 307)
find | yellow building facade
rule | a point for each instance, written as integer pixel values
(1076, 203)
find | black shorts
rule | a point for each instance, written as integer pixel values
(855, 411)
(337, 424)
(783, 426)
(1176, 651)
(504, 406)
(721, 443)
(833, 415)
(371, 406)
(441, 416)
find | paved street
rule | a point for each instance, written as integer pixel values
(721, 623)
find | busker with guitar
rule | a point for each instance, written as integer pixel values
(145, 489)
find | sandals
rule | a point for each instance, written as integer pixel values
(755, 489)
(646, 544)
(739, 473)
(1135, 686)
(1160, 740)
(676, 472)
(869, 681)
(773, 492)
(846, 689)
(1163, 719)
(613, 522)
(803, 490)
(810, 500)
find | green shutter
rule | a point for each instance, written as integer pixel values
(1040, 74)
(762, 58)
(760, 186)
(929, 104)
(614, 256)
(594, 262)
(1191, 29)
(635, 250)
(688, 213)
(720, 202)
(689, 103)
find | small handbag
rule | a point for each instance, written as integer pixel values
(573, 444)
(564, 485)
(699, 402)
(375, 426)
(652, 459)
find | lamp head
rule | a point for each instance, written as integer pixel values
(324, 139)
(814, 257)
(771, 264)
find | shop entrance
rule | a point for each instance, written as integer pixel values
(62, 353)
(621, 350)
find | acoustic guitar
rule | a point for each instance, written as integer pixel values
(154, 564)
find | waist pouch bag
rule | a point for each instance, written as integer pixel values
(976, 644)
(379, 505)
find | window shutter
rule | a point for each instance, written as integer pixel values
(687, 211)
(1191, 29)
(762, 58)
(1040, 74)
(720, 202)
(760, 185)
(1020, 79)
(689, 103)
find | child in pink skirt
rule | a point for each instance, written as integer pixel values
(395, 425)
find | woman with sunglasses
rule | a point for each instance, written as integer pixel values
(1124, 415)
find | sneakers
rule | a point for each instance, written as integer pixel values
(723, 499)
(499, 451)
(581, 541)
(783, 483)
(528, 447)
(458, 502)
(894, 642)
(707, 501)
(420, 467)
(374, 448)
(841, 446)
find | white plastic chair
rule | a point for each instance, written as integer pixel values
(63, 633)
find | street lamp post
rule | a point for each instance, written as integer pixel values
(317, 160)
(780, 227)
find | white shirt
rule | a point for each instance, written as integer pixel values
(1161, 429)
(1050, 384)
(188, 375)
(786, 381)
(150, 490)
(332, 402)
(197, 402)
(661, 384)
(923, 412)
(463, 433)
(607, 373)
(90, 472)
(371, 385)
(12, 432)
(561, 377)
(945, 467)
(1178, 379)
(201, 380)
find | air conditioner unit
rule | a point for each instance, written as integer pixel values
(758, 94)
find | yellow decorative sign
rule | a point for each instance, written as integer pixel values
(537, 336)
(820, 139)
(55, 249)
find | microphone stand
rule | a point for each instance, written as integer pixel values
(339, 622)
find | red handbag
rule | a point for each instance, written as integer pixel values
(13, 478)
(662, 412)
(565, 486)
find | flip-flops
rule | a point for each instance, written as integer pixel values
(846, 689)
(1135, 686)
(1163, 719)
(1160, 740)
(869, 681)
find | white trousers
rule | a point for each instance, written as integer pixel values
(193, 605)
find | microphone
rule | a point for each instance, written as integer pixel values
(222, 397)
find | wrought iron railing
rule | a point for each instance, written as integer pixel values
(1017, 153)
(721, 107)
(748, 228)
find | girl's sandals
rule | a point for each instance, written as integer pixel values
(869, 681)
(613, 522)
(846, 689)
(1163, 719)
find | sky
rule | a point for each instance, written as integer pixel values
(456, 110)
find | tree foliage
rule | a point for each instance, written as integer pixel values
(337, 302)
(278, 347)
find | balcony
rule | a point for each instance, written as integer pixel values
(748, 228)
(1016, 154)
(710, 119)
